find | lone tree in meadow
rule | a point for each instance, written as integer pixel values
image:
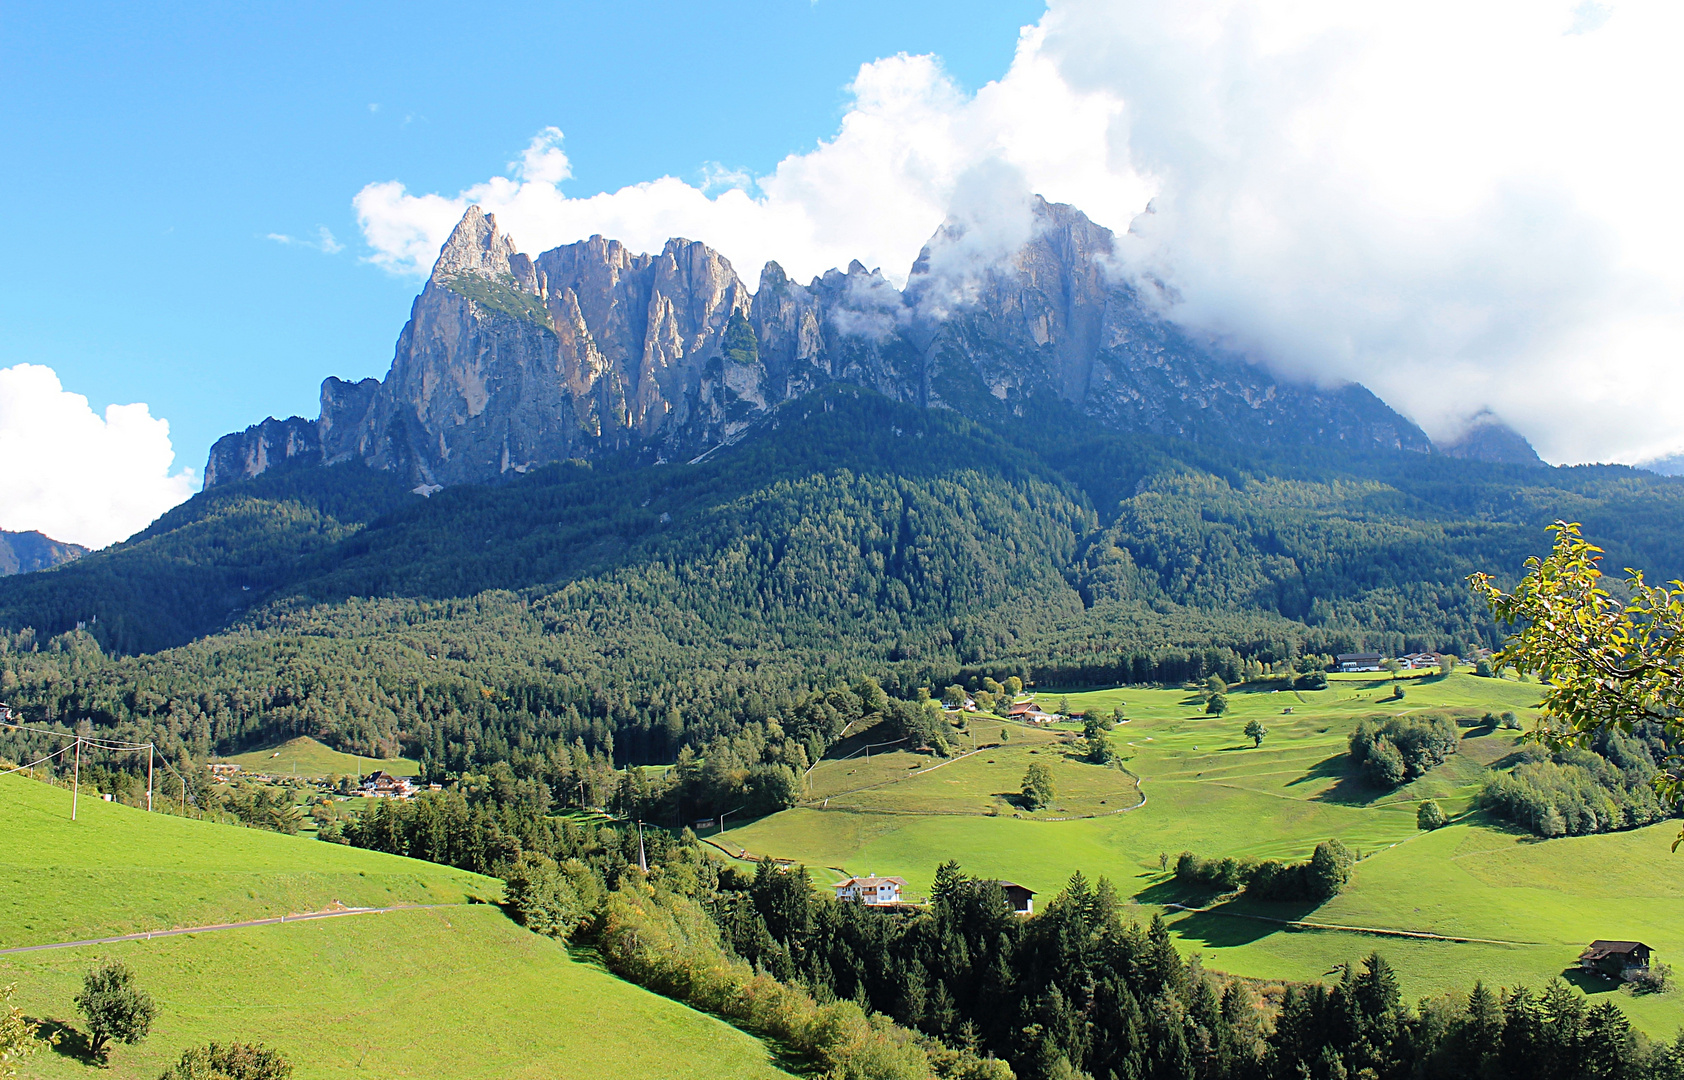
(1607, 664)
(115, 1008)
(1255, 732)
(1094, 730)
(1217, 705)
(1037, 786)
(1430, 816)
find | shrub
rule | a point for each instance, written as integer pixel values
(1655, 979)
(1311, 680)
(236, 1061)
(1484, 669)
(1429, 816)
(115, 1008)
(17, 1035)
(1217, 705)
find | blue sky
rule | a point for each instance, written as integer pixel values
(152, 149)
(1463, 207)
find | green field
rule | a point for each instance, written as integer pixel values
(305, 757)
(457, 991)
(1208, 790)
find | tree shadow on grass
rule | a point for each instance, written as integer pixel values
(67, 1041)
(1348, 787)
(1226, 926)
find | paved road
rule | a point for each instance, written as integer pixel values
(150, 934)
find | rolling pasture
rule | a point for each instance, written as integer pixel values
(452, 990)
(305, 757)
(1210, 791)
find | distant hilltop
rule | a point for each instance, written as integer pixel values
(23, 552)
(509, 362)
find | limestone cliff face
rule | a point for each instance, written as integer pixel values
(509, 362)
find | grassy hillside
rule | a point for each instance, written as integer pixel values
(304, 756)
(456, 991)
(1208, 790)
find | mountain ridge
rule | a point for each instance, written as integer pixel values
(510, 361)
(27, 552)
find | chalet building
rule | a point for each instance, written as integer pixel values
(383, 785)
(871, 889)
(1419, 661)
(1615, 959)
(1022, 898)
(1030, 713)
(223, 768)
(1358, 661)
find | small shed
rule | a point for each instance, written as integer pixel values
(1616, 959)
(1022, 898)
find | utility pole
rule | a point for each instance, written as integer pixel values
(149, 749)
(642, 859)
(76, 781)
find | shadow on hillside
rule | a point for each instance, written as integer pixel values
(1348, 787)
(1223, 927)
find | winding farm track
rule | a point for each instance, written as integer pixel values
(331, 913)
(1419, 935)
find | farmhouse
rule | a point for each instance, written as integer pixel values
(381, 784)
(1022, 898)
(1418, 661)
(1616, 959)
(1358, 661)
(871, 889)
(223, 768)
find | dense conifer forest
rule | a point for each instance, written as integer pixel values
(637, 609)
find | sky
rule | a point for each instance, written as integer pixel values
(1464, 206)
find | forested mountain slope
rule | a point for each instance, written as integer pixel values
(643, 608)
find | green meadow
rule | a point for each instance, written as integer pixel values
(305, 757)
(1210, 791)
(457, 990)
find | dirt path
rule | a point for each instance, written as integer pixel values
(332, 913)
(1419, 935)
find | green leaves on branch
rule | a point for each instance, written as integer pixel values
(1604, 664)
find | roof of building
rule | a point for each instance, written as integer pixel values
(1021, 707)
(1601, 949)
(870, 881)
(1004, 884)
(1344, 657)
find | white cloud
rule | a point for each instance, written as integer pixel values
(324, 242)
(1462, 206)
(75, 475)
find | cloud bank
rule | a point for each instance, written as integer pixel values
(75, 475)
(1462, 206)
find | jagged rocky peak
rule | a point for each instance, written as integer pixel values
(1488, 438)
(509, 361)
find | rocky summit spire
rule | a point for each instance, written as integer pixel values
(475, 247)
(510, 362)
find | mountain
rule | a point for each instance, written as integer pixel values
(1487, 438)
(508, 362)
(24, 552)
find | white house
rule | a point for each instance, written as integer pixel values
(871, 889)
